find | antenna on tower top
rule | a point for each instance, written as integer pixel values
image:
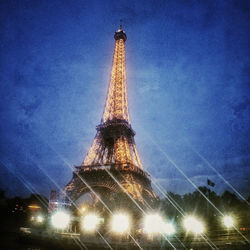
(120, 24)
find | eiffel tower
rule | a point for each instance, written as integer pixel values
(112, 164)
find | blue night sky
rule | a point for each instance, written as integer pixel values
(188, 88)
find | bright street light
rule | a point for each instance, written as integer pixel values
(39, 218)
(168, 228)
(153, 223)
(228, 221)
(193, 225)
(83, 209)
(120, 223)
(90, 222)
(60, 220)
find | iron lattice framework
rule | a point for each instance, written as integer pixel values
(113, 158)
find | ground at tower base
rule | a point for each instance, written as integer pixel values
(21, 229)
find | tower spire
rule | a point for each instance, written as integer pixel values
(116, 106)
(120, 24)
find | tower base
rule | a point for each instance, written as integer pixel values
(108, 182)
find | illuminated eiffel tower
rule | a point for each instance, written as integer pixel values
(112, 164)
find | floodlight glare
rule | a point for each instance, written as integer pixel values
(83, 209)
(90, 222)
(168, 228)
(39, 218)
(228, 221)
(153, 224)
(120, 223)
(60, 220)
(193, 225)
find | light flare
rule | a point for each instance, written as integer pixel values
(120, 223)
(153, 223)
(90, 222)
(193, 225)
(40, 219)
(228, 221)
(168, 228)
(60, 220)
